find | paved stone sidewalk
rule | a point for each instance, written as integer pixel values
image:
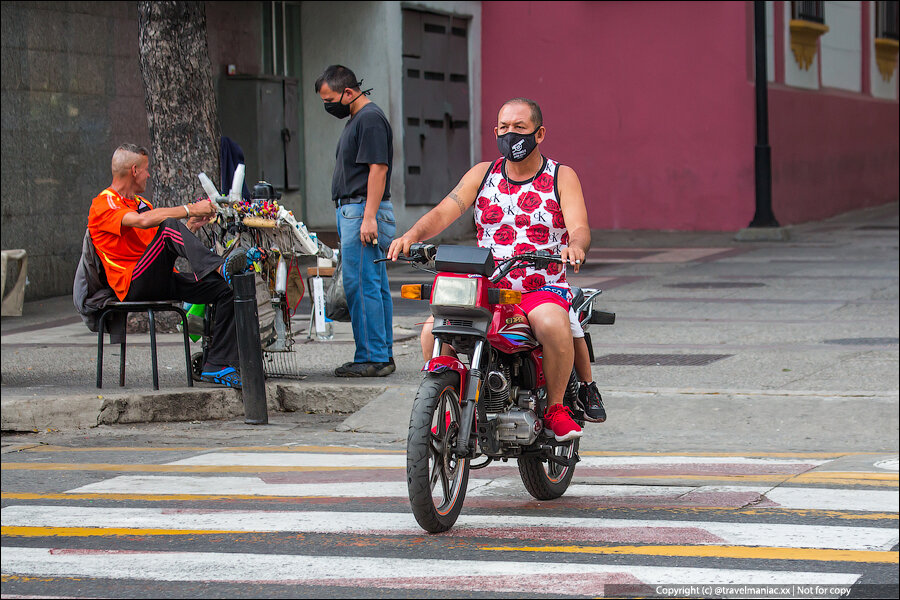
(792, 342)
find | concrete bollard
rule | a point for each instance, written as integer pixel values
(246, 323)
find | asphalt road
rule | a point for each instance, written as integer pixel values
(181, 511)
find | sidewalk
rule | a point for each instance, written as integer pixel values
(789, 344)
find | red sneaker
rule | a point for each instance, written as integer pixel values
(558, 419)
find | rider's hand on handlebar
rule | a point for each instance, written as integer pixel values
(400, 246)
(573, 256)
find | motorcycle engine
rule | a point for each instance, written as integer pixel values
(497, 390)
(518, 426)
(513, 408)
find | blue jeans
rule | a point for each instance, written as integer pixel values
(366, 283)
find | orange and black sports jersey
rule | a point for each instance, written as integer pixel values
(118, 246)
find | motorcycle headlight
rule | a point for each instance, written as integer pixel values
(455, 291)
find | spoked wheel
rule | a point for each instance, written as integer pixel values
(545, 479)
(436, 478)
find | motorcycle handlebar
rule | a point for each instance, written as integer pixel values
(540, 259)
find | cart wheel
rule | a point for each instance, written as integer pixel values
(196, 365)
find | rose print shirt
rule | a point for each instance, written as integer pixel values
(513, 218)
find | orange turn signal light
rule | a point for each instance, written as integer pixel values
(509, 297)
(411, 291)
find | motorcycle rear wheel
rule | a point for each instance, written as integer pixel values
(435, 477)
(546, 480)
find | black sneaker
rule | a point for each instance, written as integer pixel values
(591, 403)
(387, 368)
(365, 369)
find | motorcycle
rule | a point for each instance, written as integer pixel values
(486, 403)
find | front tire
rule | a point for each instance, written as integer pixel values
(436, 478)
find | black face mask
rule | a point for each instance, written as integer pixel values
(339, 110)
(516, 146)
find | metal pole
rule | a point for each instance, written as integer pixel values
(764, 217)
(246, 324)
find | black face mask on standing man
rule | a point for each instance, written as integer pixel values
(516, 146)
(340, 110)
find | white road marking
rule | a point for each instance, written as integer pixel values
(735, 534)
(299, 569)
(800, 498)
(295, 459)
(835, 499)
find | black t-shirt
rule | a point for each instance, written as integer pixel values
(366, 140)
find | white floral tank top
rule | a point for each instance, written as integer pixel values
(513, 218)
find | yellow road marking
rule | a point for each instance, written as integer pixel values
(767, 511)
(752, 552)
(25, 531)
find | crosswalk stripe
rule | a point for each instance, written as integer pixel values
(363, 571)
(174, 468)
(494, 526)
(759, 553)
(659, 488)
(27, 531)
(848, 515)
(809, 498)
(337, 460)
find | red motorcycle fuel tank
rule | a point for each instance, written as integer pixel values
(510, 331)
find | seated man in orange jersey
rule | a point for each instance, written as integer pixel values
(138, 246)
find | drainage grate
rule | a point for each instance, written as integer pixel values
(661, 360)
(877, 228)
(864, 341)
(712, 285)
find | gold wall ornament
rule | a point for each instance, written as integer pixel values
(804, 41)
(886, 57)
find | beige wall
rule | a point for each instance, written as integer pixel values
(366, 37)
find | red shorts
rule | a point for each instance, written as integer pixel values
(531, 300)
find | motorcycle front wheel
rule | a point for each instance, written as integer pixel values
(436, 478)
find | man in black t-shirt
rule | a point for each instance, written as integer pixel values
(361, 192)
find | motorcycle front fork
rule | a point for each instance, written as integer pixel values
(471, 405)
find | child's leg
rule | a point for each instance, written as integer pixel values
(427, 340)
(582, 356)
(582, 361)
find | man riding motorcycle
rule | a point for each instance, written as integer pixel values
(524, 202)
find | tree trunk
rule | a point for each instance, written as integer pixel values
(181, 102)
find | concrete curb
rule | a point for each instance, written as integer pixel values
(23, 413)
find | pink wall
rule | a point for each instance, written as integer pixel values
(649, 102)
(840, 156)
(652, 104)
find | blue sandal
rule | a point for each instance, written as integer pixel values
(228, 376)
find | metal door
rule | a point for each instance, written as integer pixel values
(436, 132)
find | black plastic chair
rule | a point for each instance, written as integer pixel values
(150, 307)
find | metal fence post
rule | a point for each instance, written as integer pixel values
(246, 322)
